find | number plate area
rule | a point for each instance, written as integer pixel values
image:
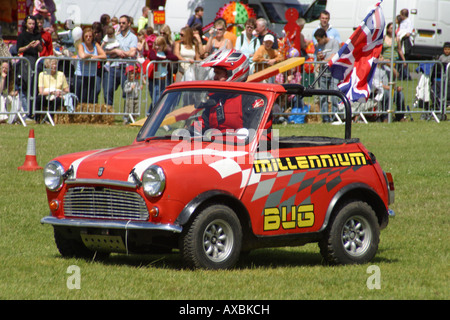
(103, 243)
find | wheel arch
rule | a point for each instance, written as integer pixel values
(359, 191)
(215, 197)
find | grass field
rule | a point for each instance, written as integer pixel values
(413, 258)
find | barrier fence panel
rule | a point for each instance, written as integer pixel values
(423, 88)
(15, 89)
(124, 87)
(160, 74)
(447, 89)
(293, 109)
(416, 89)
(164, 72)
(92, 87)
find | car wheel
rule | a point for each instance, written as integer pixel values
(71, 248)
(353, 235)
(213, 240)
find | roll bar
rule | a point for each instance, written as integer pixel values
(298, 89)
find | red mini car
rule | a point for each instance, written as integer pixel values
(208, 175)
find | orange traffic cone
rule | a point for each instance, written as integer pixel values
(30, 163)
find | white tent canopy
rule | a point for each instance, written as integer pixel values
(88, 11)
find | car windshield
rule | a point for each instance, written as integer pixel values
(229, 116)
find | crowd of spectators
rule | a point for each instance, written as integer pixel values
(100, 45)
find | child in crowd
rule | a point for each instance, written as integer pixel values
(142, 46)
(266, 54)
(160, 74)
(115, 24)
(132, 89)
(109, 42)
(445, 57)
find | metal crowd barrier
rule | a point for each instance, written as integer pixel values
(447, 86)
(159, 75)
(409, 97)
(15, 89)
(103, 92)
(95, 87)
(424, 88)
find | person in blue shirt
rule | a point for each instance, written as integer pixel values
(325, 49)
(127, 50)
(197, 18)
(332, 33)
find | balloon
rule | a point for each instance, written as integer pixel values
(77, 33)
(310, 47)
(292, 52)
(309, 67)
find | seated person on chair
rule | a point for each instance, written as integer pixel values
(52, 85)
(9, 96)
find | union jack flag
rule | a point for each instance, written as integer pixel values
(354, 65)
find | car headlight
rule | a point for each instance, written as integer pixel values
(53, 175)
(153, 181)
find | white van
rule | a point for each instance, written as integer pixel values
(178, 11)
(430, 19)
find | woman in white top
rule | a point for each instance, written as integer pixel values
(217, 40)
(187, 50)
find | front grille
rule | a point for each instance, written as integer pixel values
(104, 203)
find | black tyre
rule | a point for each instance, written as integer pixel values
(213, 240)
(352, 236)
(72, 248)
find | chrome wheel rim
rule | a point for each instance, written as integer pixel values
(218, 240)
(356, 236)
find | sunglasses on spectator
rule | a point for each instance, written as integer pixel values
(219, 29)
(181, 34)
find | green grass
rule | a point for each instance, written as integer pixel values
(413, 256)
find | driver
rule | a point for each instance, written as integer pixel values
(228, 110)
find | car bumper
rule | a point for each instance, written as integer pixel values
(123, 225)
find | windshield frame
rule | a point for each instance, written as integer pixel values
(161, 110)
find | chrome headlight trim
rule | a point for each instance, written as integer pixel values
(153, 181)
(54, 175)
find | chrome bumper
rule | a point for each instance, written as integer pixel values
(124, 225)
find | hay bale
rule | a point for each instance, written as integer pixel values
(93, 117)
